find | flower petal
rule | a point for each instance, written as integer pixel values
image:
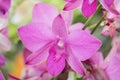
(55, 62)
(108, 7)
(97, 58)
(44, 13)
(72, 5)
(113, 69)
(5, 44)
(59, 27)
(67, 16)
(77, 26)
(35, 35)
(2, 60)
(1, 76)
(75, 64)
(88, 9)
(83, 44)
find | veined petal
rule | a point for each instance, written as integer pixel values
(109, 2)
(1, 76)
(75, 63)
(35, 35)
(5, 44)
(72, 5)
(59, 27)
(88, 9)
(44, 13)
(83, 44)
(55, 62)
(2, 60)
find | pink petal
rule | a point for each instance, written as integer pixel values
(72, 5)
(67, 16)
(75, 64)
(97, 58)
(77, 26)
(26, 53)
(35, 35)
(88, 9)
(108, 7)
(113, 69)
(83, 44)
(39, 56)
(2, 60)
(105, 31)
(109, 2)
(59, 27)
(44, 13)
(1, 76)
(5, 44)
(55, 62)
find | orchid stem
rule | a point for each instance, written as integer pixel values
(98, 24)
(89, 20)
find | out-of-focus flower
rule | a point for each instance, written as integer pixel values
(50, 37)
(88, 6)
(108, 69)
(112, 18)
(22, 13)
(1, 76)
(2, 63)
(4, 42)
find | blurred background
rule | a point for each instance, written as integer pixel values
(20, 14)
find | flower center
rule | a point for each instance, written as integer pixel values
(60, 43)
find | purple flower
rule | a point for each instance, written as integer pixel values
(50, 37)
(107, 69)
(88, 6)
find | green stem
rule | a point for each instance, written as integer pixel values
(89, 19)
(98, 24)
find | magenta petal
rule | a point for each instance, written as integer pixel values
(59, 27)
(88, 9)
(83, 44)
(1, 76)
(35, 35)
(38, 57)
(113, 69)
(75, 64)
(2, 60)
(72, 5)
(44, 13)
(55, 62)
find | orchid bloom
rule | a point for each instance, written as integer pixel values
(107, 69)
(2, 63)
(50, 38)
(88, 6)
(4, 42)
(112, 18)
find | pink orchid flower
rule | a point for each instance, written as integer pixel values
(88, 6)
(4, 41)
(112, 18)
(50, 38)
(108, 69)
(1, 76)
